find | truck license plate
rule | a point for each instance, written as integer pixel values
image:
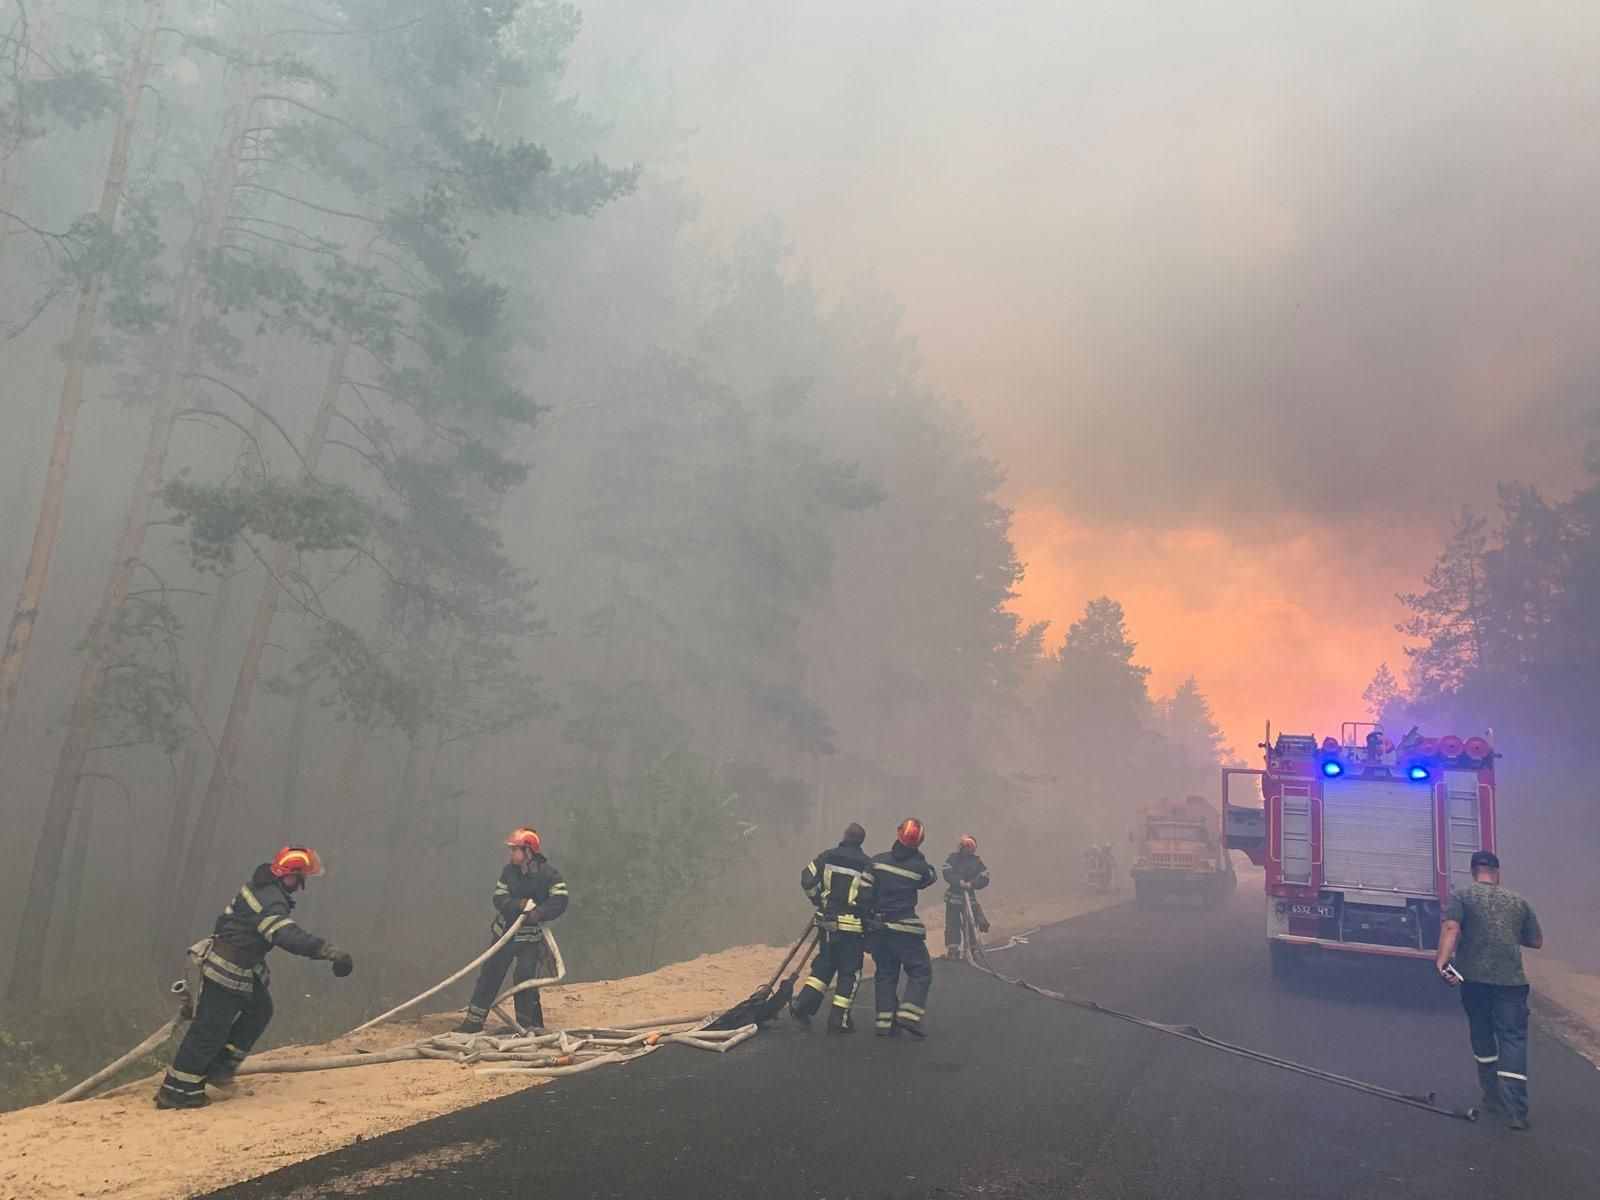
(1311, 908)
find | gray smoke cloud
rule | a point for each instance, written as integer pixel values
(1204, 262)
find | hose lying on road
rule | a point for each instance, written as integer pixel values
(1016, 939)
(976, 956)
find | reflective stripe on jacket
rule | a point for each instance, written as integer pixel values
(838, 882)
(542, 884)
(897, 875)
(962, 868)
(256, 920)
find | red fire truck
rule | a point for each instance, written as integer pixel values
(1361, 839)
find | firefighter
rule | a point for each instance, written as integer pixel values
(837, 882)
(1485, 928)
(899, 938)
(234, 1006)
(965, 874)
(528, 885)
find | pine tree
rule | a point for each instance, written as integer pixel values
(1449, 620)
(1382, 694)
(1185, 719)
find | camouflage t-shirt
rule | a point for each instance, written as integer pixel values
(1495, 924)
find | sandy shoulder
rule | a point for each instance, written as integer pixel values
(119, 1145)
(1567, 1002)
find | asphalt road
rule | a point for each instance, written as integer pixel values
(1017, 1096)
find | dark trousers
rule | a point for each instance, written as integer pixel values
(1497, 1020)
(226, 1025)
(531, 960)
(952, 920)
(838, 956)
(892, 953)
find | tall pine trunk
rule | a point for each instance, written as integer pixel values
(421, 748)
(344, 788)
(188, 307)
(77, 867)
(291, 764)
(166, 938)
(232, 736)
(77, 355)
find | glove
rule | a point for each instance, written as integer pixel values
(343, 964)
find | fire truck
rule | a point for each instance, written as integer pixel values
(1361, 840)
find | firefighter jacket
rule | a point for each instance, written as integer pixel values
(897, 875)
(540, 883)
(962, 868)
(838, 883)
(256, 920)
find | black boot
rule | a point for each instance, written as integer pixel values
(469, 1026)
(839, 1020)
(165, 1099)
(798, 1014)
(224, 1080)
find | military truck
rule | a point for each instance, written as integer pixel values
(1178, 851)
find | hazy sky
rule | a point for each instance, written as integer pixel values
(1247, 298)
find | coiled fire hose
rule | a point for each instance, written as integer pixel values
(976, 956)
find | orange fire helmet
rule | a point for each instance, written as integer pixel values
(910, 832)
(968, 843)
(296, 860)
(527, 838)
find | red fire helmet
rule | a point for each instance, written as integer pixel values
(910, 832)
(296, 860)
(525, 837)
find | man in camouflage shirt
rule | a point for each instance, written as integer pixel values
(1485, 928)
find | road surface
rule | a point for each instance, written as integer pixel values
(1017, 1096)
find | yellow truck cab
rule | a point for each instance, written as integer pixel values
(1178, 851)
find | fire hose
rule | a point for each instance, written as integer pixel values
(547, 1055)
(555, 951)
(976, 956)
(186, 1002)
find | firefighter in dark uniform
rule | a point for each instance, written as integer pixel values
(836, 882)
(234, 1006)
(529, 885)
(898, 939)
(965, 874)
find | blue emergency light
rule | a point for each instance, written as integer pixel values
(1418, 773)
(1332, 768)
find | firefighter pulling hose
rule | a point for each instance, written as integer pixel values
(234, 1006)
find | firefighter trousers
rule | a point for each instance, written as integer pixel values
(531, 959)
(838, 961)
(1497, 1020)
(893, 952)
(953, 914)
(226, 1025)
